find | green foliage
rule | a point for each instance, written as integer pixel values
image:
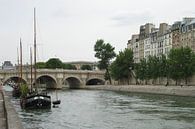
(69, 66)
(179, 65)
(141, 69)
(107, 75)
(115, 71)
(86, 67)
(54, 63)
(163, 67)
(157, 67)
(104, 52)
(41, 65)
(153, 64)
(182, 63)
(24, 90)
(122, 66)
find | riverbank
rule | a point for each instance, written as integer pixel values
(10, 118)
(2, 112)
(188, 91)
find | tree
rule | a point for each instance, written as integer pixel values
(69, 66)
(141, 70)
(122, 67)
(24, 90)
(104, 52)
(164, 68)
(86, 67)
(182, 63)
(175, 71)
(41, 65)
(54, 63)
(153, 71)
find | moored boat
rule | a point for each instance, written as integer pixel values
(35, 100)
(16, 91)
(57, 102)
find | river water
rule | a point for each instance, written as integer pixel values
(93, 109)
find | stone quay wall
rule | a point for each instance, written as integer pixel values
(12, 119)
(164, 90)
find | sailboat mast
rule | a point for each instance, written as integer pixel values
(31, 80)
(20, 60)
(35, 47)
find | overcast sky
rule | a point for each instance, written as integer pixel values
(68, 29)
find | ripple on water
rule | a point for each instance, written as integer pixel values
(85, 109)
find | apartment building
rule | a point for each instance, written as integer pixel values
(167, 43)
(175, 29)
(164, 40)
(147, 47)
(133, 44)
(145, 40)
(187, 36)
(157, 41)
(154, 43)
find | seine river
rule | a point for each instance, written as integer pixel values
(93, 109)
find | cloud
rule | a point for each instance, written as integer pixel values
(189, 12)
(127, 18)
(61, 13)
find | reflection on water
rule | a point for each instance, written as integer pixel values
(83, 109)
(7, 88)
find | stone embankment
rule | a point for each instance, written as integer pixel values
(2, 112)
(164, 90)
(9, 118)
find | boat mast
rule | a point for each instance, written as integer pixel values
(20, 61)
(35, 47)
(18, 69)
(31, 80)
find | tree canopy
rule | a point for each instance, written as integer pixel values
(68, 66)
(41, 65)
(53, 63)
(151, 68)
(86, 67)
(104, 52)
(123, 64)
(141, 70)
(182, 63)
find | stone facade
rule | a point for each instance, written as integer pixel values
(147, 47)
(157, 41)
(7, 65)
(56, 78)
(134, 45)
(141, 49)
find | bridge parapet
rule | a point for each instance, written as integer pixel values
(57, 76)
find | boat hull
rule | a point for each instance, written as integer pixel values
(16, 93)
(56, 102)
(36, 102)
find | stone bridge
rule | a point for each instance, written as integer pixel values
(55, 78)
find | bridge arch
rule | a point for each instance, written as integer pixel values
(73, 82)
(95, 81)
(14, 79)
(46, 81)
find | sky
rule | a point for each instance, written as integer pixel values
(69, 29)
